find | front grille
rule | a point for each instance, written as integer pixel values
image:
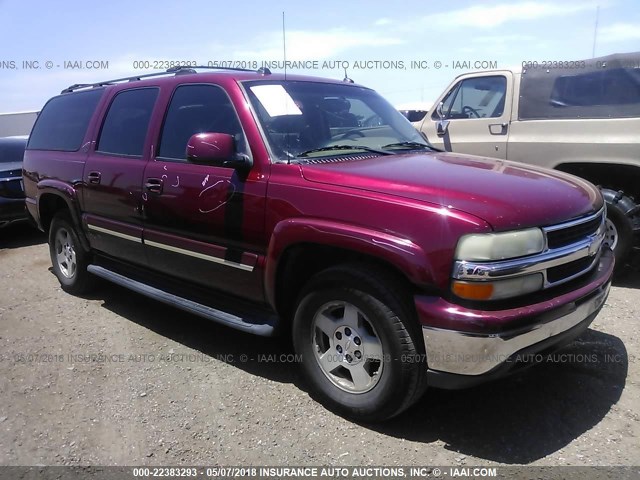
(568, 270)
(11, 188)
(575, 233)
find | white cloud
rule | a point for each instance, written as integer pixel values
(485, 16)
(500, 39)
(619, 32)
(309, 45)
(494, 46)
(382, 21)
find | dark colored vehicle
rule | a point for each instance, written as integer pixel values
(414, 115)
(12, 207)
(311, 207)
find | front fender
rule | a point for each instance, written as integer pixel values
(402, 253)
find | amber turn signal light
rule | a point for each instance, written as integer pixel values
(473, 291)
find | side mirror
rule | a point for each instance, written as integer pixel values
(442, 125)
(216, 148)
(439, 110)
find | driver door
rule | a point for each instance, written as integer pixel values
(478, 109)
(203, 223)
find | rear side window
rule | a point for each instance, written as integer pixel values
(580, 93)
(609, 87)
(64, 120)
(126, 124)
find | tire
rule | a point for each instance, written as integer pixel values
(622, 218)
(68, 258)
(361, 348)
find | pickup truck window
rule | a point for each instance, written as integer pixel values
(479, 97)
(197, 109)
(63, 122)
(299, 117)
(125, 126)
(580, 94)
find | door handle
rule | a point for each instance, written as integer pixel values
(94, 177)
(498, 128)
(154, 185)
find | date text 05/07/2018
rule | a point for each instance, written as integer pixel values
(412, 64)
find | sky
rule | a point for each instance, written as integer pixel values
(409, 51)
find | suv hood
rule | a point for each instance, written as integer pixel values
(505, 194)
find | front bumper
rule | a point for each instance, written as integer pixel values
(459, 357)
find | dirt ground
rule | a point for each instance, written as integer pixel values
(117, 379)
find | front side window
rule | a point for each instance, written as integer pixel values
(126, 124)
(198, 109)
(480, 97)
(315, 119)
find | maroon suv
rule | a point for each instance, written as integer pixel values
(274, 203)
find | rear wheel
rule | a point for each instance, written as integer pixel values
(360, 343)
(68, 258)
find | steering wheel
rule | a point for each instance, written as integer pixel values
(373, 121)
(467, 110)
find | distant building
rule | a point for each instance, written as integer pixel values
(18, 123)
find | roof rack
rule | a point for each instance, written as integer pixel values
(179, 70)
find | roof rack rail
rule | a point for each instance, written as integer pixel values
(191, 69)
(179, 70)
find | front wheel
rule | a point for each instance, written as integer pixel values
(360, 343)
(68, 258)
(621, 220)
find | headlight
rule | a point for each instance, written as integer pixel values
(500, 246)
(489, 247)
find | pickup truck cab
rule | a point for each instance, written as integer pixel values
(311, 207)
(579, 117)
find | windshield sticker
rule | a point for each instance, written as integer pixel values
(275, 100)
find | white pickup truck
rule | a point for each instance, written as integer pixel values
(580, 117)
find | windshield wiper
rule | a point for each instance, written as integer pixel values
(408, 145)
(343, 147)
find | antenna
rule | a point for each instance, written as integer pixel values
(595, 32)
(284, 54)
(346, 77)
(284, 47)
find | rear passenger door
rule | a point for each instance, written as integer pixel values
(113, 175)
(203, 222)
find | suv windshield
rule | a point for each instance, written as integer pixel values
(307, 119)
